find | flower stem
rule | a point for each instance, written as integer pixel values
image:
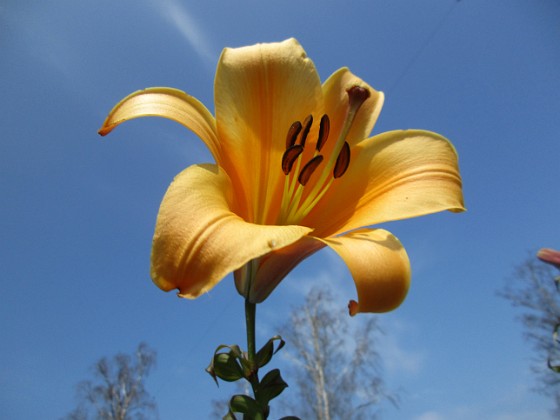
(250, 315)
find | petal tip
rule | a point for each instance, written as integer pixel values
(353, 308)
(460, 209)
(103, 131)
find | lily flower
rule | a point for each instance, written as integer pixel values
(294, 171)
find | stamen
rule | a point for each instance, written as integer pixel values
(308, 169)
(324, 129)
(289, 157)
(293, 132)
(306, 127)
(342, 161)
(296, 204)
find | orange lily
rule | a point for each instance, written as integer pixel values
(295, 171)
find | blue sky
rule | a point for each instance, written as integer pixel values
(77, 211)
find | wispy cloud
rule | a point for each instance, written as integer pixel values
(178, 15)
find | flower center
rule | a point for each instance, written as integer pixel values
(300, 195)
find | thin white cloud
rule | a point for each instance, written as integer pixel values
(177, 14)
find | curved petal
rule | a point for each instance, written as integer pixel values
(274, 266)
(168, 103)
(392, 176)
(336, 105)
(379, 266)
(259, 92)
(198, 240)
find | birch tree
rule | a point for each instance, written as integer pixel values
(117, 391)
(334, 362)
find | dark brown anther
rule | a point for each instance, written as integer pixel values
(293, 132)
(289, 157)
(342, 161)
(306, 127)
(324, 128)
(357, 95)
(308, 169)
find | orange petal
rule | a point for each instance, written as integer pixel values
(379, 266)
(392, 176)
(276, 265)
(168, 103)
(198, 240)
(259, 92)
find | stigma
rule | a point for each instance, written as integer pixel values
(309, 167)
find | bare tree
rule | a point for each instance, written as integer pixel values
(117, 392)
(533, 290)
(336, 367)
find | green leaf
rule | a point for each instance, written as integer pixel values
(270, 387)
(234, 349)
(210, 370)
(248, 367)
(264, 355)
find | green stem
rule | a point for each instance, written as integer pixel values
(250, 315)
